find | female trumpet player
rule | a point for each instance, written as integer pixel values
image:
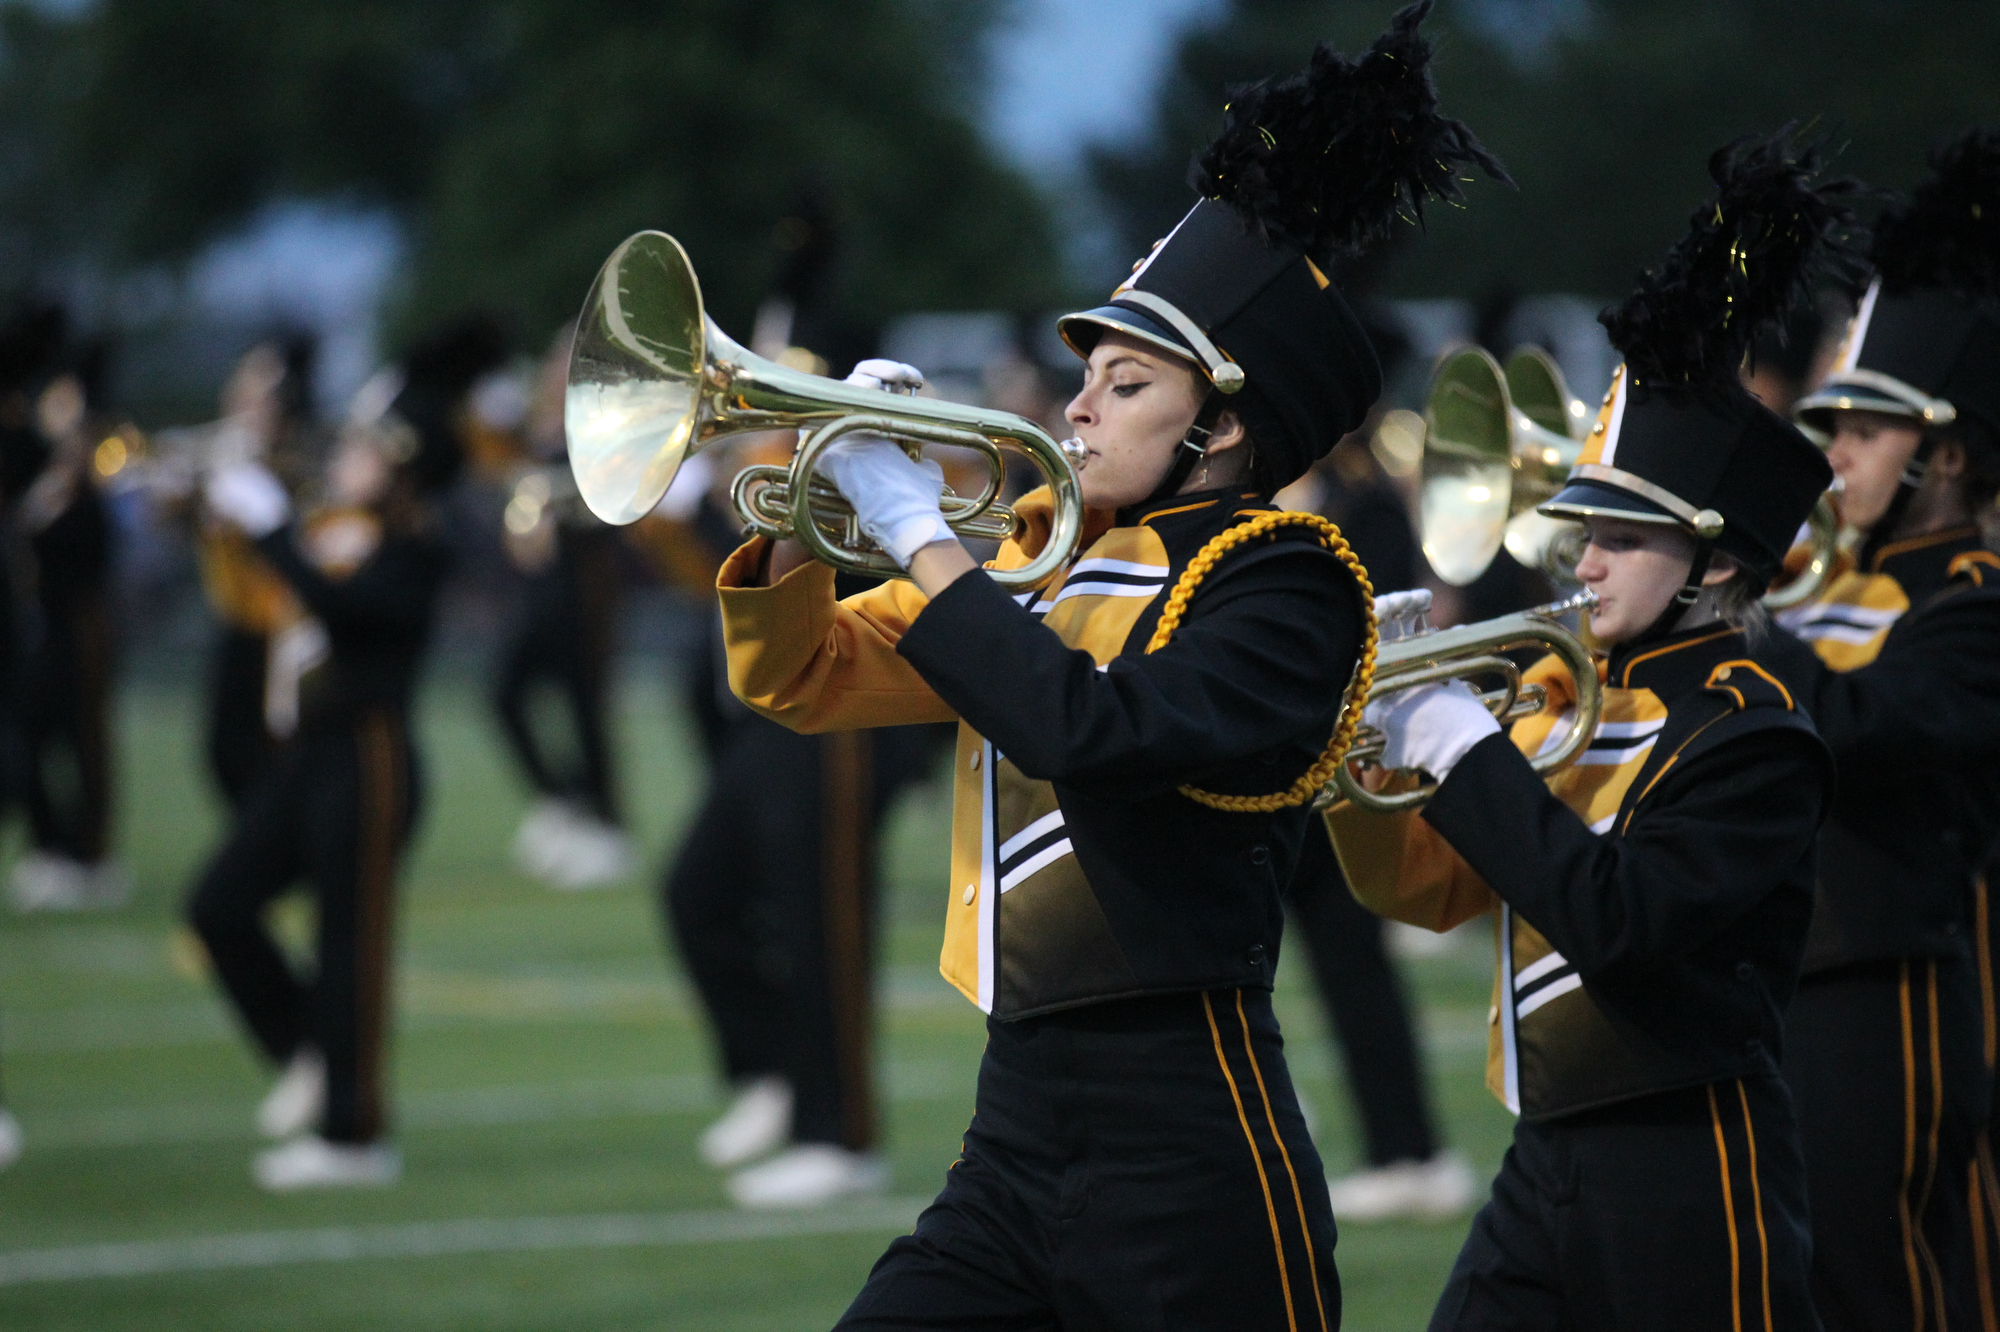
(1137, 1158)
(1653, 904)
(1900, 668)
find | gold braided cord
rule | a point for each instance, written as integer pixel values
(1351, 702)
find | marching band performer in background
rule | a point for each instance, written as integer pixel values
(65, 682)
(1137, 1156)
(1900, 668)
(565, 637)
(335, 807)
(1653, 905)
(267, 417)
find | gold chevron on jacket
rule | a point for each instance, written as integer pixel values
(1011, 859)
(1542, 1024)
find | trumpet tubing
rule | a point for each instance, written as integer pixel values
(1473, 652)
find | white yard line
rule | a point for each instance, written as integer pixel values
(430, 1239)
(483, 1107)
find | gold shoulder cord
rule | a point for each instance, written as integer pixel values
(1317, 776)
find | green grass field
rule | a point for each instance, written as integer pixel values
(551, 1076)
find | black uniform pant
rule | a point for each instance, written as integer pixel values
(333, 813)
(771, 901)
(1678, 1211)
(1140, 1164)
(564, 639)
(1982, 1189)
(239, 743)
(66, 732)
(1885, 1062)
(1367, 1006)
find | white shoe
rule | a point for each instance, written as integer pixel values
(46, 881)
(757, 1122)
(591, 854)
(1423, 1190)
(811, 1175)
(538, 843)
(297, 1099)
(315, 1163)
(10, 1138)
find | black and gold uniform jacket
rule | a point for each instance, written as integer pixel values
(1653, 896)
(1899, 665)
(1079, 872)
(372, 590)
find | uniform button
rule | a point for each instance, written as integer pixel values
(1255, 956)
(1744, 971)
(971, 891)
(1492, 1014)
(1951, 927)
(1722, 674)
(1259, 854)
(975, 761)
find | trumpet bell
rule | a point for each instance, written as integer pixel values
(1467, 466)
(636, 373)
(1499, 444)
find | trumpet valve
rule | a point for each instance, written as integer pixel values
(1401, 615)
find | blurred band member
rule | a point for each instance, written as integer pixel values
(565, 638)
(65, 700)
(1407, 1171)
(1888, 1048)
(334, 809)
(771, 900)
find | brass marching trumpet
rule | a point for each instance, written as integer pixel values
(1822, 540)
(1498, 443)
(652, 381)
(1412, 654)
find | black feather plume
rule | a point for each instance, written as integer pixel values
(1947, 233)
(1752, 256)
(1326, 161)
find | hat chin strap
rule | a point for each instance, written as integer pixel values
(1690, 592)
(1191, 450)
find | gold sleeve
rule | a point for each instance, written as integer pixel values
(1399, 867)
(812, 663)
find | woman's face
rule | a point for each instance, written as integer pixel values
(1135, 408)
(1868, 454)
(358, 474)
(1635, 569)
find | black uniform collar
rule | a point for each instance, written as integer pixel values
(1921, 565)
(1676, 664)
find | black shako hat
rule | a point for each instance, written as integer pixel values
(1679, 439)
(438, 372)
(1925, 341)
(1307, 170)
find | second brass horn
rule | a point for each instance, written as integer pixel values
(1498, 443)
(652, 381)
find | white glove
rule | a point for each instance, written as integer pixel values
(895, 499)
(247, 495)
(1430, 727)
(893, 376)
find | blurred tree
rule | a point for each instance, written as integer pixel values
(1605, 118)
(521, 139)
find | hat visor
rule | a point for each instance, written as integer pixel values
(1595, 499)
(1083, 329)
(1817, 408)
